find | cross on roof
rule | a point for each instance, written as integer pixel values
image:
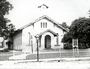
(43, 6)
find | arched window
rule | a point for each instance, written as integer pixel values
(43, 24)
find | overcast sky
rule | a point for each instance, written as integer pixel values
(26, 11)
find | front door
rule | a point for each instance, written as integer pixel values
(47, 41)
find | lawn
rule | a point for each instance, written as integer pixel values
(60, 53)
(5, 55)
(47, 54)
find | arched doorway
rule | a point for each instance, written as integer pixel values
(47, 41)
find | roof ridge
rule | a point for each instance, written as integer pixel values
(44, 16)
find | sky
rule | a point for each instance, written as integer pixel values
(26, 11)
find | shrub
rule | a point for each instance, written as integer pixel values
(80, 46)
(83, 46)
(67, 46)
(4, 50)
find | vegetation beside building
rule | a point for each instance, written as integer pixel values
(79, 29)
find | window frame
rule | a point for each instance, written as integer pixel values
(43, 24)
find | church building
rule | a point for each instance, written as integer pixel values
(44, 31)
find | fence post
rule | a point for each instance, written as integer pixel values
(75, 47)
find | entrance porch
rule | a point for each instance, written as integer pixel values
(48, 40)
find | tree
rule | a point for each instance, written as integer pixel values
(67, 38)
(5, 6)
(64, 24)
(79, 29)
(8, 34)
(9, 31)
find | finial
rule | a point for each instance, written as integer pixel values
(43, 6)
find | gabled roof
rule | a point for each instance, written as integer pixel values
(48, 18)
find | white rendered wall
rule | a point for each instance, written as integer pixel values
(36, 29)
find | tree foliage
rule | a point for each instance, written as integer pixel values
(9, 31)
(64, 24)
(80, 28)
(5, 6)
